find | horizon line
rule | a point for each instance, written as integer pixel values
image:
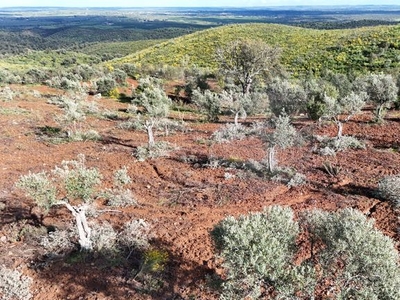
(224, 6)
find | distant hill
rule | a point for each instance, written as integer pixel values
(303, 50)
(117, 49)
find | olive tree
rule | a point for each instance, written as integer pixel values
(284, 136)
(208, 102)
(241, 105)
(71, 185)
(150, 95)
(105, 85)
(350, 105)
(287, 95)
(245, 61)
(382, 91)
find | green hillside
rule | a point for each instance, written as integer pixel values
(118, 49)
(303, 50)
(47, 59)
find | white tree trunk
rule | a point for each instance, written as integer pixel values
(150, 134)
(271, 159)
(340, 129)
(237, 118)
(84, 230)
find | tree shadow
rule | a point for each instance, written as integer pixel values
(108, 140)
(356, 190)
(384, 144)
(79, 274)
(11, 214)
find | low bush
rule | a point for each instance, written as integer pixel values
(348, 256)
(58, 242)
(159, 149)
(229, 132)
(14, 285)
(389, 189)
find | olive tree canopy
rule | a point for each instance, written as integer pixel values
(244, 61)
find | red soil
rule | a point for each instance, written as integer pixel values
(182, 201)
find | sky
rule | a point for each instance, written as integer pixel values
(192, 3)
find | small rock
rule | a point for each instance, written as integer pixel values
(3, 239)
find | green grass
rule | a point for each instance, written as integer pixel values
(303, 50)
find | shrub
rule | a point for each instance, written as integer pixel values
(58, 242)
(348, 256)
(389, 189)
(209, 104)
(258, 250)
(14, 285)
(106, 85)
(78, 180)
(159, 149)
(104, 238)
(297, 180)
(75, 182)
(7, 94)
(284, 136)
(357, 260)
(135, 235)
(119, 197)
(150, 94)
(78, 136)
(329, 146)
(287, 95)
(229, 132)
(39, 187)
(381, 90)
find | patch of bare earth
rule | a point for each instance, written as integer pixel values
(181, 197)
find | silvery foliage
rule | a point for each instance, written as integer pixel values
(235, 102)
(381, 90)
(121, 177)
(348, 256)
(89, 135)
(330, 146)
(14, 285)
(389, 189)
(297, 180)
(78, 180)
(75, 109)
(287, 95)
(368, 260)
(284, 135)
(209, 104)
(119, 196)
(289, 177)
(353, 103)
(7, 94)
(150, 94)
(40, 187)
(159, 149)
(258, 252)
(229, 132)
(104, 238)
(136, 234)
(58, 242)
